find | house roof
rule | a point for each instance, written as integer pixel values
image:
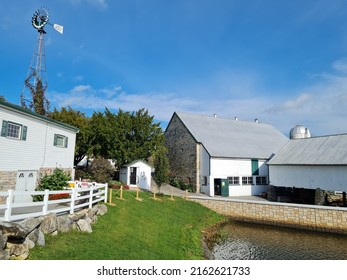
(323, 150)
(23, 111)
(231, 138)
(136, 161)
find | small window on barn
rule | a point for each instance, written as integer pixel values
(60, 141)
(261, 180)
(247, 180)
(13, 130)
(204, 180)
(234, 180)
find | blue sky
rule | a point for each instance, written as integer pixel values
(283, 62)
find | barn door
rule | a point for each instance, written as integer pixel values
(26, 181)
(133, 175)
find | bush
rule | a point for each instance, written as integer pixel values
(54, 182)
(101, 170)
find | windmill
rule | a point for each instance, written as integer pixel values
(36, 80)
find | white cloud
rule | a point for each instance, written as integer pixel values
(321, 107)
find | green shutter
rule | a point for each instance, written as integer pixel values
(4, 129)
(255, 167)
(55, 139)
(66, 142)
(24, 133)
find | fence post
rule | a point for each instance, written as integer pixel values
(45, 202)
(91, 196)
(73, 196)
(9, 202)
(106, 189)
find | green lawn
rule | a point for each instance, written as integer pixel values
(133, 230)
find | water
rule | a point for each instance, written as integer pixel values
(260, 242)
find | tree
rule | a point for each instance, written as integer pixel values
(2, 98)
(79, 120)
(161, 167)
(124, 136)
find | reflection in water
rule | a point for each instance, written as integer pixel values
(259, 242)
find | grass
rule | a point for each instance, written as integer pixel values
(133, 230)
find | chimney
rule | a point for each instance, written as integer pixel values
(256, 120)
(236, 118)
(215, 115)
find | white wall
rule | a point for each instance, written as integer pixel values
(333, 178)
(37, 151)
(223, 168)
(143, 175)
(205, 171)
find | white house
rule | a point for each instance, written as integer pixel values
(137, 174)
(31, 144)
(311, 163)
(221, 156)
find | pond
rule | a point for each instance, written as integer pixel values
(248, 241)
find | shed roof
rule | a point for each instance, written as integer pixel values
(231, 138)
(322, 150)
(26, 112)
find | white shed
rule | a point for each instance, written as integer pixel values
(136, 174)
(31, 144)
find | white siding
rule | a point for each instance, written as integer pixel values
(205, 171)
(37, 151)
(224, 168)
(143, 174)
(332, 178)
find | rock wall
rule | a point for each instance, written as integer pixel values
(310, 217)
(182, 152)
(16, 239)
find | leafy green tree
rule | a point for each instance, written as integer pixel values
(161, 167)
(2, 98)
(79, 120)
(124, 136)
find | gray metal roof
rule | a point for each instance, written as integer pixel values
(234, 138)
(323, 150)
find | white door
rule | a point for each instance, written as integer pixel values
(26, 181)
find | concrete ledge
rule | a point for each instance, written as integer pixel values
(310, 217)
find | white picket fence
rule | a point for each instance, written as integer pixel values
(82, 195)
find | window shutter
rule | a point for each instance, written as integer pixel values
(55, 139)
(4, 129)
(66, 138)
(24, 133)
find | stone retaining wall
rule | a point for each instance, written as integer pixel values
(310, 217)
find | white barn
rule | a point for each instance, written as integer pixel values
(221, 156)
(137, 174)
(31, 144)
(311, 163)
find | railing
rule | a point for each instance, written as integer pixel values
(82, 195)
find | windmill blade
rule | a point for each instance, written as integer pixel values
(59, 28)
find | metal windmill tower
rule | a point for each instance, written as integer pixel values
(36, 80)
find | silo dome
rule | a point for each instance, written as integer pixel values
(299, 132)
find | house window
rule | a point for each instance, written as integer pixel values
(204, 180)
(60, 141)
(234, 180)
(261, 180)
(13, 130)
(247, 180)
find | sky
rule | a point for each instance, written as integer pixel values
(281, 62)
